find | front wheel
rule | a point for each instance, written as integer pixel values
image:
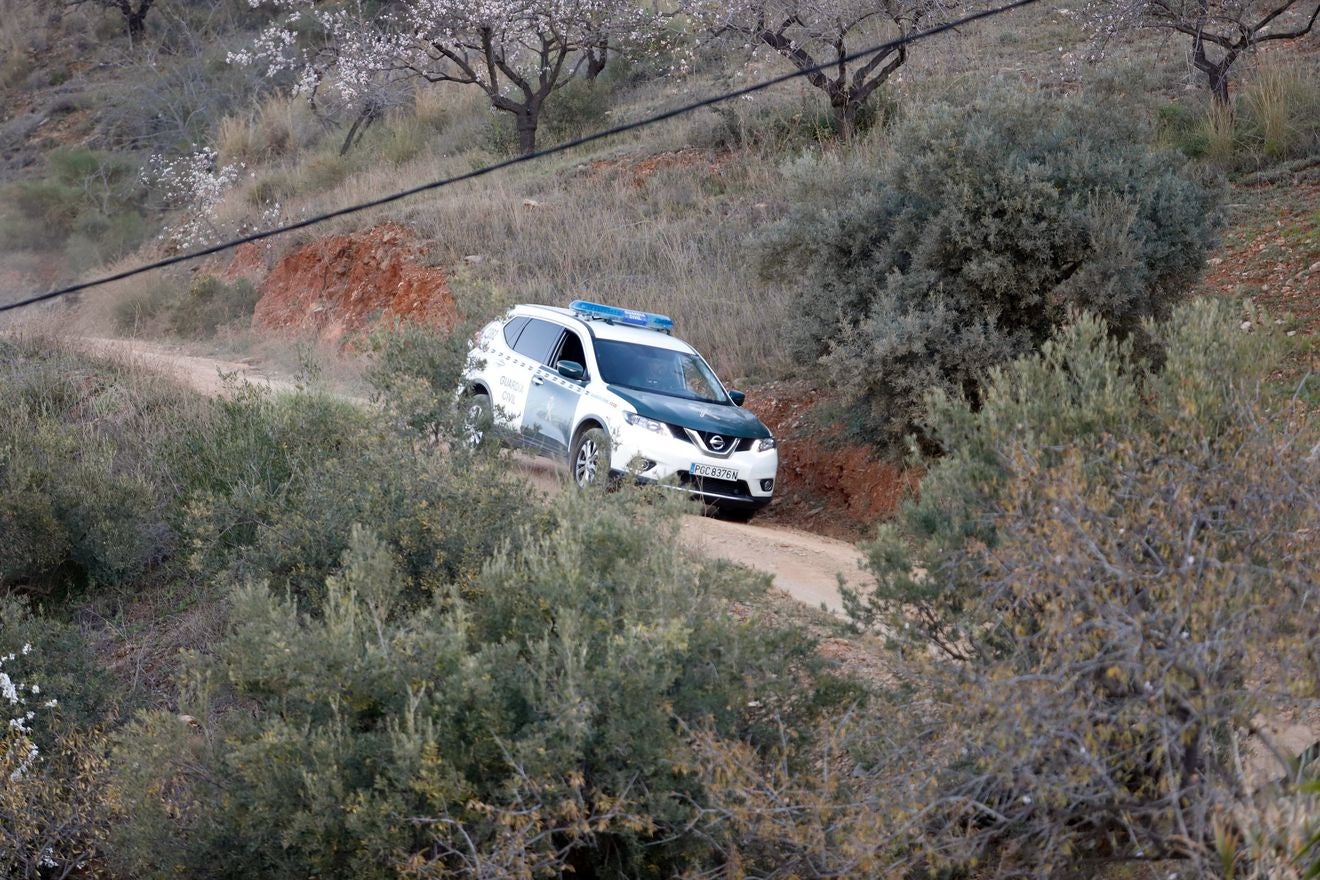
(589, 459)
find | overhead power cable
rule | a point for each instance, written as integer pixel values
(518, 160)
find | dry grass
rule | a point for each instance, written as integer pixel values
(681, 240)
(1281, 107)
(278, 126)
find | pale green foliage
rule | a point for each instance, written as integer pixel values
(76, 499)
(527, 722)
(1106, 556)
(211, 303)
(975, 234)
(1107, 581)
(414, 374)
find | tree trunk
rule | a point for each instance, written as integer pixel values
(1218, 82)
(846, 111)
(359, 128)
(1216, 72)
(597, 58)
(527, 121)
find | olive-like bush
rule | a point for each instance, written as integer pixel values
(973, 236)
(530, 723)
(1105, 586)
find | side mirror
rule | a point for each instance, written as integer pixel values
(571, 370)
(737, 397)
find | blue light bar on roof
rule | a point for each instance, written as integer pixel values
(616, 315)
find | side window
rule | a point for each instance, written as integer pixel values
(512, 329)
(539, 340)
(572, 350)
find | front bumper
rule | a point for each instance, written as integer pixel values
(649, 457)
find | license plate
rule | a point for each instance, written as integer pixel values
(710, 470)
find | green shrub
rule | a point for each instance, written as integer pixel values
(39, 212)
(1183, 129)
(974, 236)
(1104, 558)
(60, 662)
(775, 129)
(212, 303)
(93, 198)
(530, 722)
(140, 309)
(76, 505)
(323, 171)
(579, 107)
(414, 373)
(1103, 588)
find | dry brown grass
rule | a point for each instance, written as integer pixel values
(683, 240)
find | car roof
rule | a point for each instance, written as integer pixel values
(604, 329)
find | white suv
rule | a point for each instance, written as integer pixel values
(611, 392)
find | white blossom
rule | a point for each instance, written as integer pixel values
(517, 51)
(198, 185)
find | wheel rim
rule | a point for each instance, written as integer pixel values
(476, 414)
(584, 466)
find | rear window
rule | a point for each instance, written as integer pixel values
(512, 329)
(538, 340)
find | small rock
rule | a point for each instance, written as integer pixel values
(474, 259)
(531, 203)
(1246, 326)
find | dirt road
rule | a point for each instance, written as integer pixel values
(806, 566)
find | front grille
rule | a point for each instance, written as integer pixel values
(728, 445)
(736, 488)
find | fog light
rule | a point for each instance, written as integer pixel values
(767, 485)
(640, 465)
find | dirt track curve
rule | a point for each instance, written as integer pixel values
(806, 566)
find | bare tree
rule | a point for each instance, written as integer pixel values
(812, 33)
(133, 11)
(1221, 31)
(516, 51)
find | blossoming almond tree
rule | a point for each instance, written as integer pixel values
(517, 51)
(1221, 30)
(811, 33)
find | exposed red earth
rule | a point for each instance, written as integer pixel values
(343, 284)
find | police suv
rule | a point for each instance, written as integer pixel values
(614, 394)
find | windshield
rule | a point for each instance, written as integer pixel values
(662, 370)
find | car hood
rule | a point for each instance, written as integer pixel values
(727, 419)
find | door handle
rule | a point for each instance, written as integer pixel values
(537, 380)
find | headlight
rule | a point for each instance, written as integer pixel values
(645, 424)
(765, 444)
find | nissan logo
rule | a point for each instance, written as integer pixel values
(716, 442)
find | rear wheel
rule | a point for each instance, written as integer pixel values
(589, 459)
(477, 421)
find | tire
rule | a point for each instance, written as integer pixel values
(478, 420)
(589, 459)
